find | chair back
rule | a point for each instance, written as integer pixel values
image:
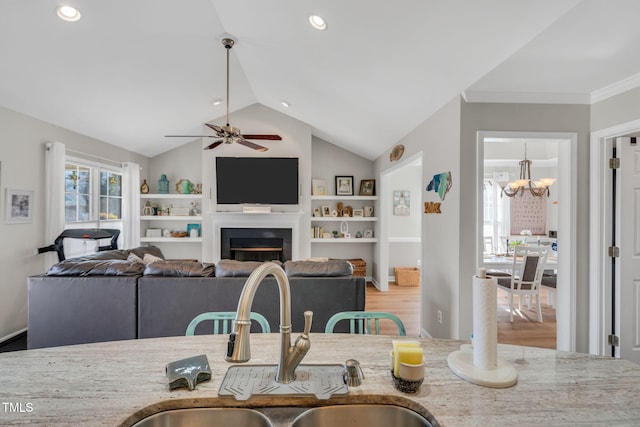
(225, 320)
(528, 267)
(360, 322)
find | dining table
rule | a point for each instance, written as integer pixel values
(505, 262)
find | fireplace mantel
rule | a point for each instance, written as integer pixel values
(214, 222)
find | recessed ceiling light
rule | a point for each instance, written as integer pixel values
(217, 102)
(68, 13)
(317, 22)
(284, 104)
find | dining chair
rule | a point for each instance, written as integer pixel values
(528, 267)
(225, 319)
(360, 322)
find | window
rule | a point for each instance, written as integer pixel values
(496, 213)
(92, 193)
(110, 195)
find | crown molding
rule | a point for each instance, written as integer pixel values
(526, 97)
(615, 88)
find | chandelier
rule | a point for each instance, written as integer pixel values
(519, 186)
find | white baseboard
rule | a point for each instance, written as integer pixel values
(375, 283)
(15, 334)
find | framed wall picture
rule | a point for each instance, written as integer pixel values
(318, 187)
(19, 205)
(344, 185)
(367, 187)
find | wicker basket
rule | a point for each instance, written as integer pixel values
(359, 267)
(407, 276)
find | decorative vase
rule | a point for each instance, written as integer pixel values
(163, 184)
(184, 186)
(144, 188)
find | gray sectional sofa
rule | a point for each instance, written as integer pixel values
(98, 298)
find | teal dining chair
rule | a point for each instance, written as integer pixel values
(364, 321)
(225, 319)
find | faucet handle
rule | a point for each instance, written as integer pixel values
(308, 316)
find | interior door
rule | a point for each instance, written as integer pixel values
(628, 283)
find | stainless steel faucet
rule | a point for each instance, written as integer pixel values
(238, 348)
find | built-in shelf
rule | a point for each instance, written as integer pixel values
(249, 214)
(344, 197)
(342, 240)
(171, 196)
(172, 239)
(170, 218)
(344, 218)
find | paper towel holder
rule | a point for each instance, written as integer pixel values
(461, 362)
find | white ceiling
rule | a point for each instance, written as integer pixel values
(132, 71)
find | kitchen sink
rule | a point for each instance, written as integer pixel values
(352, 415)
(360, 415)
(211, 417)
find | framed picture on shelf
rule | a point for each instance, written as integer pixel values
(19, 205)
(368, 234)
(316, 212)
(358, 212)
(326, 210)
(344, 185)
(195, 227)
(367, 187)
(318, 187)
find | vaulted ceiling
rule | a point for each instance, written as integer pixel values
(131, 71)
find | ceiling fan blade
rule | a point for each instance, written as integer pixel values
(216, 128)
(266, 137)
(251, 145)
(213, 145)
(191, 136)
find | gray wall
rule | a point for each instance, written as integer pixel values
(526, 118)
(22, 156)
(438, 139)
(618, 109)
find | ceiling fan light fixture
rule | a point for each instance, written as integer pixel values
(318, 22)
(68, 13)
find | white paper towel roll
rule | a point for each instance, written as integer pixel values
(485, 326)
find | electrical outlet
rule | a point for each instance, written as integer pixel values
(440, 316)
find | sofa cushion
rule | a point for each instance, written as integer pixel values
(120, 254)
(179, 269)
(108, 267)
(141, 251)
(330, 268)
(233, 268)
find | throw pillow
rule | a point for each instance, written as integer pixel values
(148, 259)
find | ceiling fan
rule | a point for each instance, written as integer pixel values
(229, 134)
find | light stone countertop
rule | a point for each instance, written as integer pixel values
(119, 383)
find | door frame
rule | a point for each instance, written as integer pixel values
(600, 182)
(384, 209)
(567, 185)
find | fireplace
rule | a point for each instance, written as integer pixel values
(256, 244)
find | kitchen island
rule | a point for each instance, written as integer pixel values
(119, 383)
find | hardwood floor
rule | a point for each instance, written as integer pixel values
(404, 301)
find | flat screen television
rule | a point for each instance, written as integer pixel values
(257, 180)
